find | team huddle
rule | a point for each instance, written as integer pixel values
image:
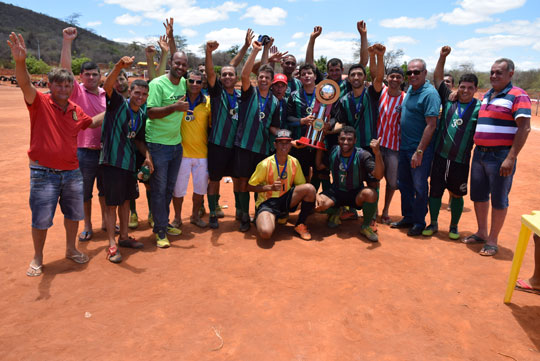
(195, 123)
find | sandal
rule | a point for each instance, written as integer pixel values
(34, 271)
(80, 258)
(489, 250)
(385, 220)
(113, 255)
(473, 238)
(85, 236)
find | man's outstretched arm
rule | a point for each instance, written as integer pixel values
(69, 34)
(18, 52)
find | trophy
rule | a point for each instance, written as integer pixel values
(326, 93)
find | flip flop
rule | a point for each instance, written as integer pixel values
(473, 238)
(34, 271)
(78, 258)
(524, 286)
(488, 250)
(85, 236)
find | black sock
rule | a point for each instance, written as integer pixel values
(305, 210)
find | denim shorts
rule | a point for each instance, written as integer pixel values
(89, 164)
(485, 178)
(48, 187)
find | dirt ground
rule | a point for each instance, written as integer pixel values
(222, 295)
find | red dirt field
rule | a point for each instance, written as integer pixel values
(222, 295)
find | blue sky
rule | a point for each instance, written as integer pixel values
(479, 31)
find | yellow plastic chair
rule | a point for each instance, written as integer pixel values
(529, 223)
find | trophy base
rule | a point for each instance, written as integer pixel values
(306, 141)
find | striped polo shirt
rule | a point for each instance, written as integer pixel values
(388, 124)
(497, 119)
(224, 124)
(359, 169)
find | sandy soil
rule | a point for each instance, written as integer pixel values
(222, 295)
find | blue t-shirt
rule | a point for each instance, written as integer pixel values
(417, 105)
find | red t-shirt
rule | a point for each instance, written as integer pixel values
(53, 132)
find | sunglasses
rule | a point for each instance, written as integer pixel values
(415, 72)
(192, 81)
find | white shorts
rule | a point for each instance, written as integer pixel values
(199, 168)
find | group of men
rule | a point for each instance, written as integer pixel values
(196, 123)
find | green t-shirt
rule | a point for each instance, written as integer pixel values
(164, 93)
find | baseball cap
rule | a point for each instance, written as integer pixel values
(394, 70)
(280, 78)
(283, 134)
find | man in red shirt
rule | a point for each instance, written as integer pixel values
(55, 178)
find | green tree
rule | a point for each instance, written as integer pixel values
(73, 19)
(36, 66)
(76, 63)
(321, 63)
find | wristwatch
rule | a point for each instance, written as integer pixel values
(420, 151)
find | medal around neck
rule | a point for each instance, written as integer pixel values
(327, 93)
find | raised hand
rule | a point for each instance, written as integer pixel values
(361, 26)
(249, 37)
(150, 51)
(276, 57)
(17, 46)
(317, 30)
(375, 145)
(168, 24)
(125, 62)
(211, 45)
(257, 46)
(69, 33)
(163, 44)
(270, 43)
(445, 51)
(380, 49)
(371, 50)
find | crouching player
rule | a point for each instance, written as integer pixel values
(350, 167)
(281, 186)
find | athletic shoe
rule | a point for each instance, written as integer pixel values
(302, 231)
(245, 223)
(173, 231)
(213, 222)
(369, 234)
(176, 224)
(334, 221)
(283, 218)
(162, 241)
(114, 255)
(130, 243)
(198, 222)
(453, 234)
(133, 220)
(415, 230)
(202, 211)
(430, 230)
(349, 214)
(373, 225)
(219, 212)
(151, 220)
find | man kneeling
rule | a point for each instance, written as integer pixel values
(281, 186)
(350, 167)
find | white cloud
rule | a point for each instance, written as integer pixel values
(127, 19)
(227, 37)
(410, 23)
(395, 42)
(298, 35)
(336, 44)
(264, 16)
(338, 35)
(138, 39)
(492, 43)
(186, 10)
(515, 27)
(292, 44)
(188, 32)
(93, 23)
(476, 11)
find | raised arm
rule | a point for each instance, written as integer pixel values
(438, 74)
(248, 66)
(150, 52)
(266, 51)
(377, 67)
(18, 52)
(169, 31)
(69, 34)
(124, 63)
(310, 59)
(361, 26)
(240, 55)
(211, 46)
(160, 70)
(378, 172)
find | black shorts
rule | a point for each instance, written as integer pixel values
(306, 158)
(119, 185)
(447, 174)
(343, 198)
(245, 162)
(220, 162)
(278, 206)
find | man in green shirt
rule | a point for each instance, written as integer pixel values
(166, 104)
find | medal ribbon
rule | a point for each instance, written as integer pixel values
(232, 100)
(349, 162)
(197, 102)
(310, 101)
(284, 167)
(133, 125)
(460, 113)
(360, 103)
(260, 100)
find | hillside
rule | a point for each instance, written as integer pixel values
(36, 27)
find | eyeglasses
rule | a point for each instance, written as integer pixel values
(193, 81)
(415, 72)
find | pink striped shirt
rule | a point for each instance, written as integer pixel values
(91, 104)
(388, 124)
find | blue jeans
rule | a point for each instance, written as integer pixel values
(486, 180)
(413, 186)
(88, 164)
(49, 187)
(167, 160)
